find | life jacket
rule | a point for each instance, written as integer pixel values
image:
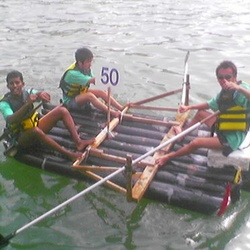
(231, 117)
(30, 119)
(72, 90)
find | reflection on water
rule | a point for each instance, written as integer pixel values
(147, 41)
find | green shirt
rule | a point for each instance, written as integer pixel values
(6, 109)
(234, 138)
(76, 77)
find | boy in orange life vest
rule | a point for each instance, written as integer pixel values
(16, 107)
(234, 95)
(75, 84)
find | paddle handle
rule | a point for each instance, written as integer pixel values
(38, 219)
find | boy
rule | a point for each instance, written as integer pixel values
(23, 123)
(75, 84)
(234, 97)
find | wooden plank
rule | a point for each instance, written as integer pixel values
(107, 183)
(100, 137)
(114, 158)
(95, 168)
(149, 172)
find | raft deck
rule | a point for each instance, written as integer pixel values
(186, 182)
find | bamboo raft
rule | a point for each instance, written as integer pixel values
(186, 182)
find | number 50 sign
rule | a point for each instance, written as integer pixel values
(110, 76)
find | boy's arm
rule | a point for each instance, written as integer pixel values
(199, 106)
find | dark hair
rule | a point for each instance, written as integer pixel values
(83, 54)
(14, 74)
(225, 65)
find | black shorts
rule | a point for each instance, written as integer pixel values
(73, 105)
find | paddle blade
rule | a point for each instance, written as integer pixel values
(226, 200)
(4, 241)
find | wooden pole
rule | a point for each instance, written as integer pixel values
(157, 97)
(153, 108)
(108, 114)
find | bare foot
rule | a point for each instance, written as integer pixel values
(162, 160)
(178, 130)
(84, 143)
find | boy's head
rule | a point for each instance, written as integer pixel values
(226, 72)
(225, 65)
(83, 54)
(15, 82)
(14, 74)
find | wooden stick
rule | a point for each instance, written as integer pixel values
(152, 107)
(95, 168)
(130, 117)
(100, 154)
(157, 97)
(107, 183)
(108, 114)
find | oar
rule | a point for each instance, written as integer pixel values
(4, 241)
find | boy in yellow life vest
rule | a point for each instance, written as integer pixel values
(232, 124)
(75, 84)
(24, 125)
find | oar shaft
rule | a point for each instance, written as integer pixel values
(69, 201)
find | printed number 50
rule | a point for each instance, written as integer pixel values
(109, 76)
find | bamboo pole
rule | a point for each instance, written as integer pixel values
(157, 97)
(130, 117)
(153, 108)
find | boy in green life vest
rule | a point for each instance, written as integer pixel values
(23, 124)
(75, 84)
(231, 125)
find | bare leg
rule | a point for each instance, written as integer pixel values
(28, 137)
(90, 97)
(47, 122)
(203, 142)
(199, 116)
(104, 96)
